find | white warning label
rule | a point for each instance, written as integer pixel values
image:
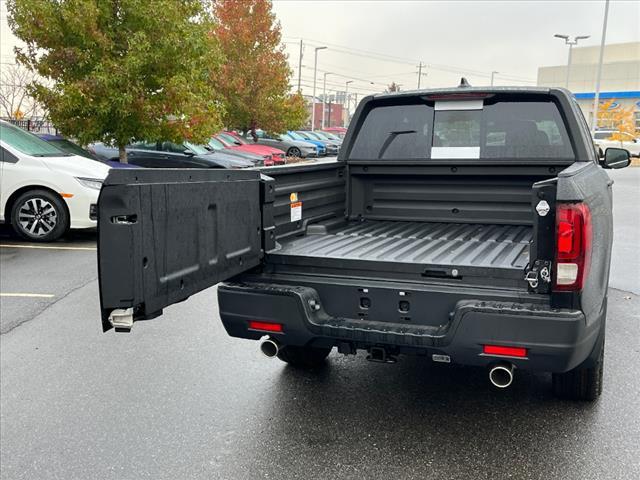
(296, 211)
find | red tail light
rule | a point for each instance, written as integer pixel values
(573, 245)
(505, 351)
(265, 326)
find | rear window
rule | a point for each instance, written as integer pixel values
(495, 129)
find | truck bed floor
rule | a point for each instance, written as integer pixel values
(474, 245)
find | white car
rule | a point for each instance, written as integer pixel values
(43, 190)
(601, 139)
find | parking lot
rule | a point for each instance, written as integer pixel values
(178, 398)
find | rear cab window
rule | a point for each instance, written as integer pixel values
(492, 128)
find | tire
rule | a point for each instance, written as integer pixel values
(304, 357)
(294, 152)
(580, 383)
(39, 216)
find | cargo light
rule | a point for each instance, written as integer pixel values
(573, 245)
(265, 326)
(504, 351)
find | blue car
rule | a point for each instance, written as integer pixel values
(68, 146)
(322, 149)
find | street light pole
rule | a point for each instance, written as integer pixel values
(596, 99)
(493, 74)
(567, 41)
(315, 76)
(324, 95)
(300, 68)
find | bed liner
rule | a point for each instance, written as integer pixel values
(442, 244)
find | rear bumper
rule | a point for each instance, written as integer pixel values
(556, 340)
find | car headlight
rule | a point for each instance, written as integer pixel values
(94, 183)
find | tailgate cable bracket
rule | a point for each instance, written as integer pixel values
(540, 272)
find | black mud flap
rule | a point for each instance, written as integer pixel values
(164, 235)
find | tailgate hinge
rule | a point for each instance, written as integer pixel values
(121, 319)
(538, 276)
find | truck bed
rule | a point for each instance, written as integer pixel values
(503, 247)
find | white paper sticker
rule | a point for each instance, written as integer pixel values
(296, 211)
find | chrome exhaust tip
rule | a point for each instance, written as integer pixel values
(501, 375)
(269, 347)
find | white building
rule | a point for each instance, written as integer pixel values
(620, 77)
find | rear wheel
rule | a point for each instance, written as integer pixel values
(304, 357)
(294, 152)
(39, 216)
(580, 383)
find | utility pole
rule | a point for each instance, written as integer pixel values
(315, 76)
(300, 68)
(493, 74)
(324, 96)
(419, 74)
(596, 100)
(346, 97)
(571, 44)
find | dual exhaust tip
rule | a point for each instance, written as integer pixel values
(269, 347)
(501, 374)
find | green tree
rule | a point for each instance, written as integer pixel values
(121, 70)
(254, 79)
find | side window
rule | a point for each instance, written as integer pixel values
(173, 147)
(395, 132)
(7, 156)
(145, 146)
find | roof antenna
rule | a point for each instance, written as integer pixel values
(464, 83)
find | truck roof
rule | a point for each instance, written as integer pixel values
(472, 90)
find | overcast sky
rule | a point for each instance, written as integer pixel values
(511, 37)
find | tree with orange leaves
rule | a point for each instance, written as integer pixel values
(618, 118)
(254, 78)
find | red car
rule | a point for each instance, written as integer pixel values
(233, 141)
(339, 131)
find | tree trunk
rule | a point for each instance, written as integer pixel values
(122, 154)
(253, 132)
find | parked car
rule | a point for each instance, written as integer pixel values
(339, 131)
(68, 146)
(258, 160)
(292, 147)
(43, 190)
(237, 141)
(602, 139)
(172, 155)
(332, 146)
(490, 247)
(321, 146)
(329, 136)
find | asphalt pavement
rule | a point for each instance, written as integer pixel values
(177, 398)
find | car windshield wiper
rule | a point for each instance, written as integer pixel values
(61, 154)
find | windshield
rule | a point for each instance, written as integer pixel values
(197, 149)
(296, 136)
(313, 135)
(231, 139)
(320, 135)
(70, 147)
(216, 144)
(28, 143)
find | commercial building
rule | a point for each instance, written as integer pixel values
(620, 81)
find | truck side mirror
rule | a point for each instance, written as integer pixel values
(616, 158)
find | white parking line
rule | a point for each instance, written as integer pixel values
(28, 295)
(46, 247)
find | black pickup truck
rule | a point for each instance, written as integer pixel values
(467, 225)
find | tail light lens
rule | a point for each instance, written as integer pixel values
(573, 245)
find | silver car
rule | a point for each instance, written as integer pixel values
(293, 148)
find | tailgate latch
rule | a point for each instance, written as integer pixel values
(538, 276)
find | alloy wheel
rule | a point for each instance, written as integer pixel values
(37, 216)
